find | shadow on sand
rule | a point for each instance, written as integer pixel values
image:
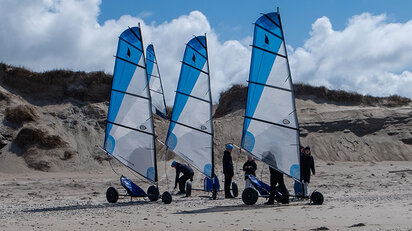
(80, 207)
(229, 208)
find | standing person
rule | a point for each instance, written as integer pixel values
(187, 174)
(276, 177)
(250, 169)
(228, 169)
(298, 187)
(307, 164)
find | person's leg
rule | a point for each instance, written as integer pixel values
(182, 183)
(305, 186)
(228, 182)
(273, 183)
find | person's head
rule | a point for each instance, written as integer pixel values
(307, 150)
(249, 158)
(174, 163)
(229, 147)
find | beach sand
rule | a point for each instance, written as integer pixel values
(358, 196)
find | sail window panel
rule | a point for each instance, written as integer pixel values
(274, 145)
(266, 40)
(134, 149)
(157, 102)
(193, 146)
(196, 114)
(275, 106)
(155, 84)
(129, 52)
(270, 22)
(130, 111)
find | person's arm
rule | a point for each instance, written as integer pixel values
(244, 166)
(313, 166)
(254, 167)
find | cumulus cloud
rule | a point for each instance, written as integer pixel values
(370, 56)
(47, 34)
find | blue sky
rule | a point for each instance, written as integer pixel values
(363, 46)
(232, 19)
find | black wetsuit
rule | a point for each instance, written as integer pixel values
(307, 164)
(250, 168)
(276, 177)
(228, 171)
(187, 174)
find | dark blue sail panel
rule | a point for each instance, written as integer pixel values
(129, 131)
(270, 129)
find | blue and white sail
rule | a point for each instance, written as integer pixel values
(190, 132)
(155, 83)
(270, 129)
(129, 132)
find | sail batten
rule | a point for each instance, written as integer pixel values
(270, 129)
(190, 133)
(129, 135)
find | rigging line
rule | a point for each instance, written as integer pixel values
(113, 168)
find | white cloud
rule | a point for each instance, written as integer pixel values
(370, 56)
(44, 35)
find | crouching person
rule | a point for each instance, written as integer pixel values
(187, 172)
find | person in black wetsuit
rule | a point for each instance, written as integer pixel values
(228, 169)
(307, 164)
(249, 167)
(276, 177)
(187, 174)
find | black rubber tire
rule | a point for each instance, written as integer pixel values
(166, 197)
(250, 196)
(214, 194)
(153, 193)
(188, 189)
(235, 189)
(317, 198)
(112, 195)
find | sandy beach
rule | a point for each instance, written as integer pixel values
(358, 196)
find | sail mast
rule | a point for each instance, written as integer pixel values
(150, 103)
(210, 99)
